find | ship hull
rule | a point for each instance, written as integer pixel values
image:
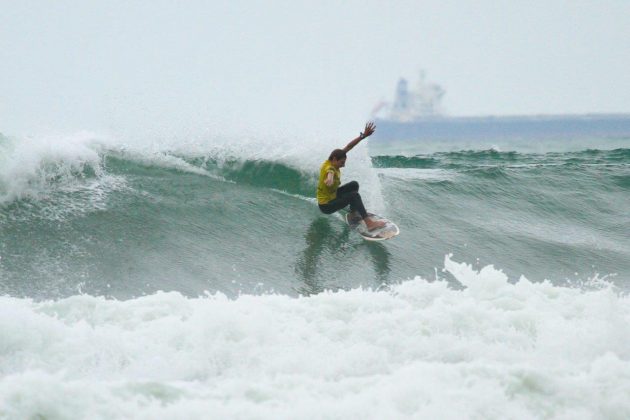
(515, 127)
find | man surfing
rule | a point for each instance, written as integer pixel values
(330, 196)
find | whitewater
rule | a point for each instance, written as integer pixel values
(419, 349)
(197, 278)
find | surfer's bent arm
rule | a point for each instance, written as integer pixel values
(330, 178)
(367, 131)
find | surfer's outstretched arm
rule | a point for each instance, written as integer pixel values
(367, 131)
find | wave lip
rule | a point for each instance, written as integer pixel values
(32, 167)
(506, 350)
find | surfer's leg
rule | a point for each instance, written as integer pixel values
(351, 191)
(348, 194)
(356, 205)
(351, 198)
(332, 206)
(349, 187)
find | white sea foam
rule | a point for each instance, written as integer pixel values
(420, 350)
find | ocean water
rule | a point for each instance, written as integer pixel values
(197, 278)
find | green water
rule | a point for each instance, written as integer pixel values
(121, 225)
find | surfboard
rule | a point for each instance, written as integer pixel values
(386, 232)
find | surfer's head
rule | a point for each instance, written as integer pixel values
(338, 158)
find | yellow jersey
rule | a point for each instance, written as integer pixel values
(325, 193)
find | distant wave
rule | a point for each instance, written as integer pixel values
(468, 158)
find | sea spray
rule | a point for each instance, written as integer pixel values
(28, 166)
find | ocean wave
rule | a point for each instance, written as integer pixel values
(623, 180)
(33, 168)
(492, 157)
(37, 169)
(531, 349)
(417, 162)
(409, 174)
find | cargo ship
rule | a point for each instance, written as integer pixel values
(417, 113)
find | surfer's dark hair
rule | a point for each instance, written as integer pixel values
(337, 154)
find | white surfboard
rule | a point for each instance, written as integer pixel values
(380, 234)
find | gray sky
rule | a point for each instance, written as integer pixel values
(186, 66)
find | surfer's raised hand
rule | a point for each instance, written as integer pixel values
(367, 131)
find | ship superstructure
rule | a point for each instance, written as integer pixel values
(425, 101)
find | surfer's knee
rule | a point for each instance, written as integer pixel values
(353, 185)
(354, 196)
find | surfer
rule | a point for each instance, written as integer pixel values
(332, 197)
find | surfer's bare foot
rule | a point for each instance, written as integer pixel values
(373, 224)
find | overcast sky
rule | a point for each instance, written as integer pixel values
(300, 65)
